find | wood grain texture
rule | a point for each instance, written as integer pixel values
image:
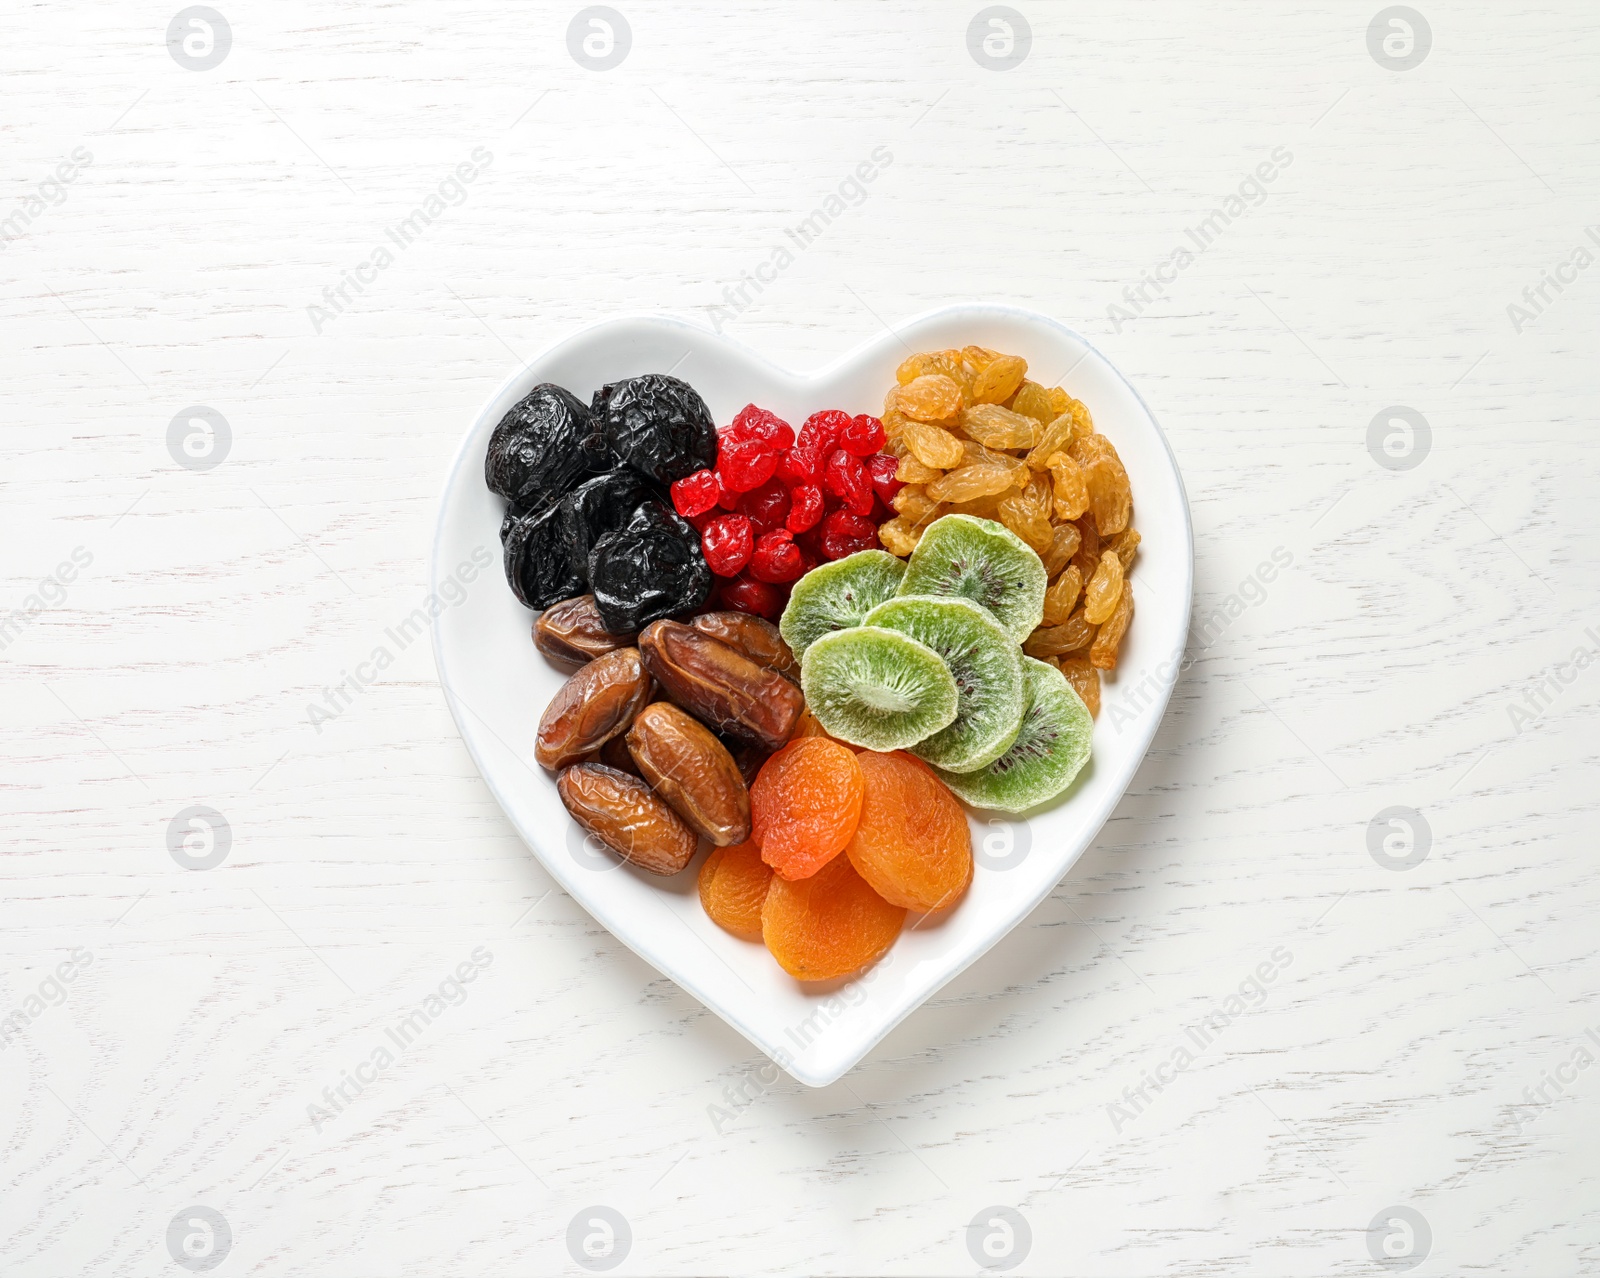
(1389, 1063)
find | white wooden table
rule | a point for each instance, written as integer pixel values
(1417, 1071)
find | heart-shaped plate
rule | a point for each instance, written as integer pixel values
(497, 684)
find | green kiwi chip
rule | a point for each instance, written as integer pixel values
(1049, 751)
(838, 595)
(983, 561)
(986, 665)
(877, 688)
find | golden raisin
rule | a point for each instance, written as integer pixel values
(1073, 635)
(933, 446)
(898, 536)
(1071, 487)
(1062, 596)
(1064, 540)
(1085, 680)
(929, 398)
(970, 482)
(1103, 653)
(999, 379)
(996, 427)
(1100, 596)
(1033, 400)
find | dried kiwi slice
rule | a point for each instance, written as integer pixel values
(1050, 750)
(877, 688)
(982, 561)
(837, 595)
(987, 668)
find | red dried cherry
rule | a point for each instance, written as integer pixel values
(863, 436)
(695, 494)
(800, 465)
(823, 430)
(844, 534)
(727, 542)
(805, 507)
(777, 559)
(746, 594)
(767, 506)
(881, 470)
(760, 426)
(847, 479)
(745, 465)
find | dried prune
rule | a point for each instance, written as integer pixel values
(596, 507)
(536, 559)
(543, 447)
(572, 631)
(720, 686)
(648, 569)
(657, 424)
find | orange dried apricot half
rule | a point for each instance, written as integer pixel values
(828, 925)
(733, 885)
(912, 844)
(805, 804)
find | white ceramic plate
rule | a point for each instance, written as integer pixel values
(497, 684)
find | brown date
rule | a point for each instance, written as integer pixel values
(572, 631)
(593, 706)
(756, 637)
(719, 685)
(692, 771)
(627, 816)
(615, 754)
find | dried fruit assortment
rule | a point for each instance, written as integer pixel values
(807, 648)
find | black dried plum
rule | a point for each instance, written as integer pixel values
(536, 559)
(599, 506)
(657, 424)
(649, 569)
(543, 447)
(512, 515)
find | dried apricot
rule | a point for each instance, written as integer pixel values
(828, 925)
(805, 804)
(733, 885)
(912, 844)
